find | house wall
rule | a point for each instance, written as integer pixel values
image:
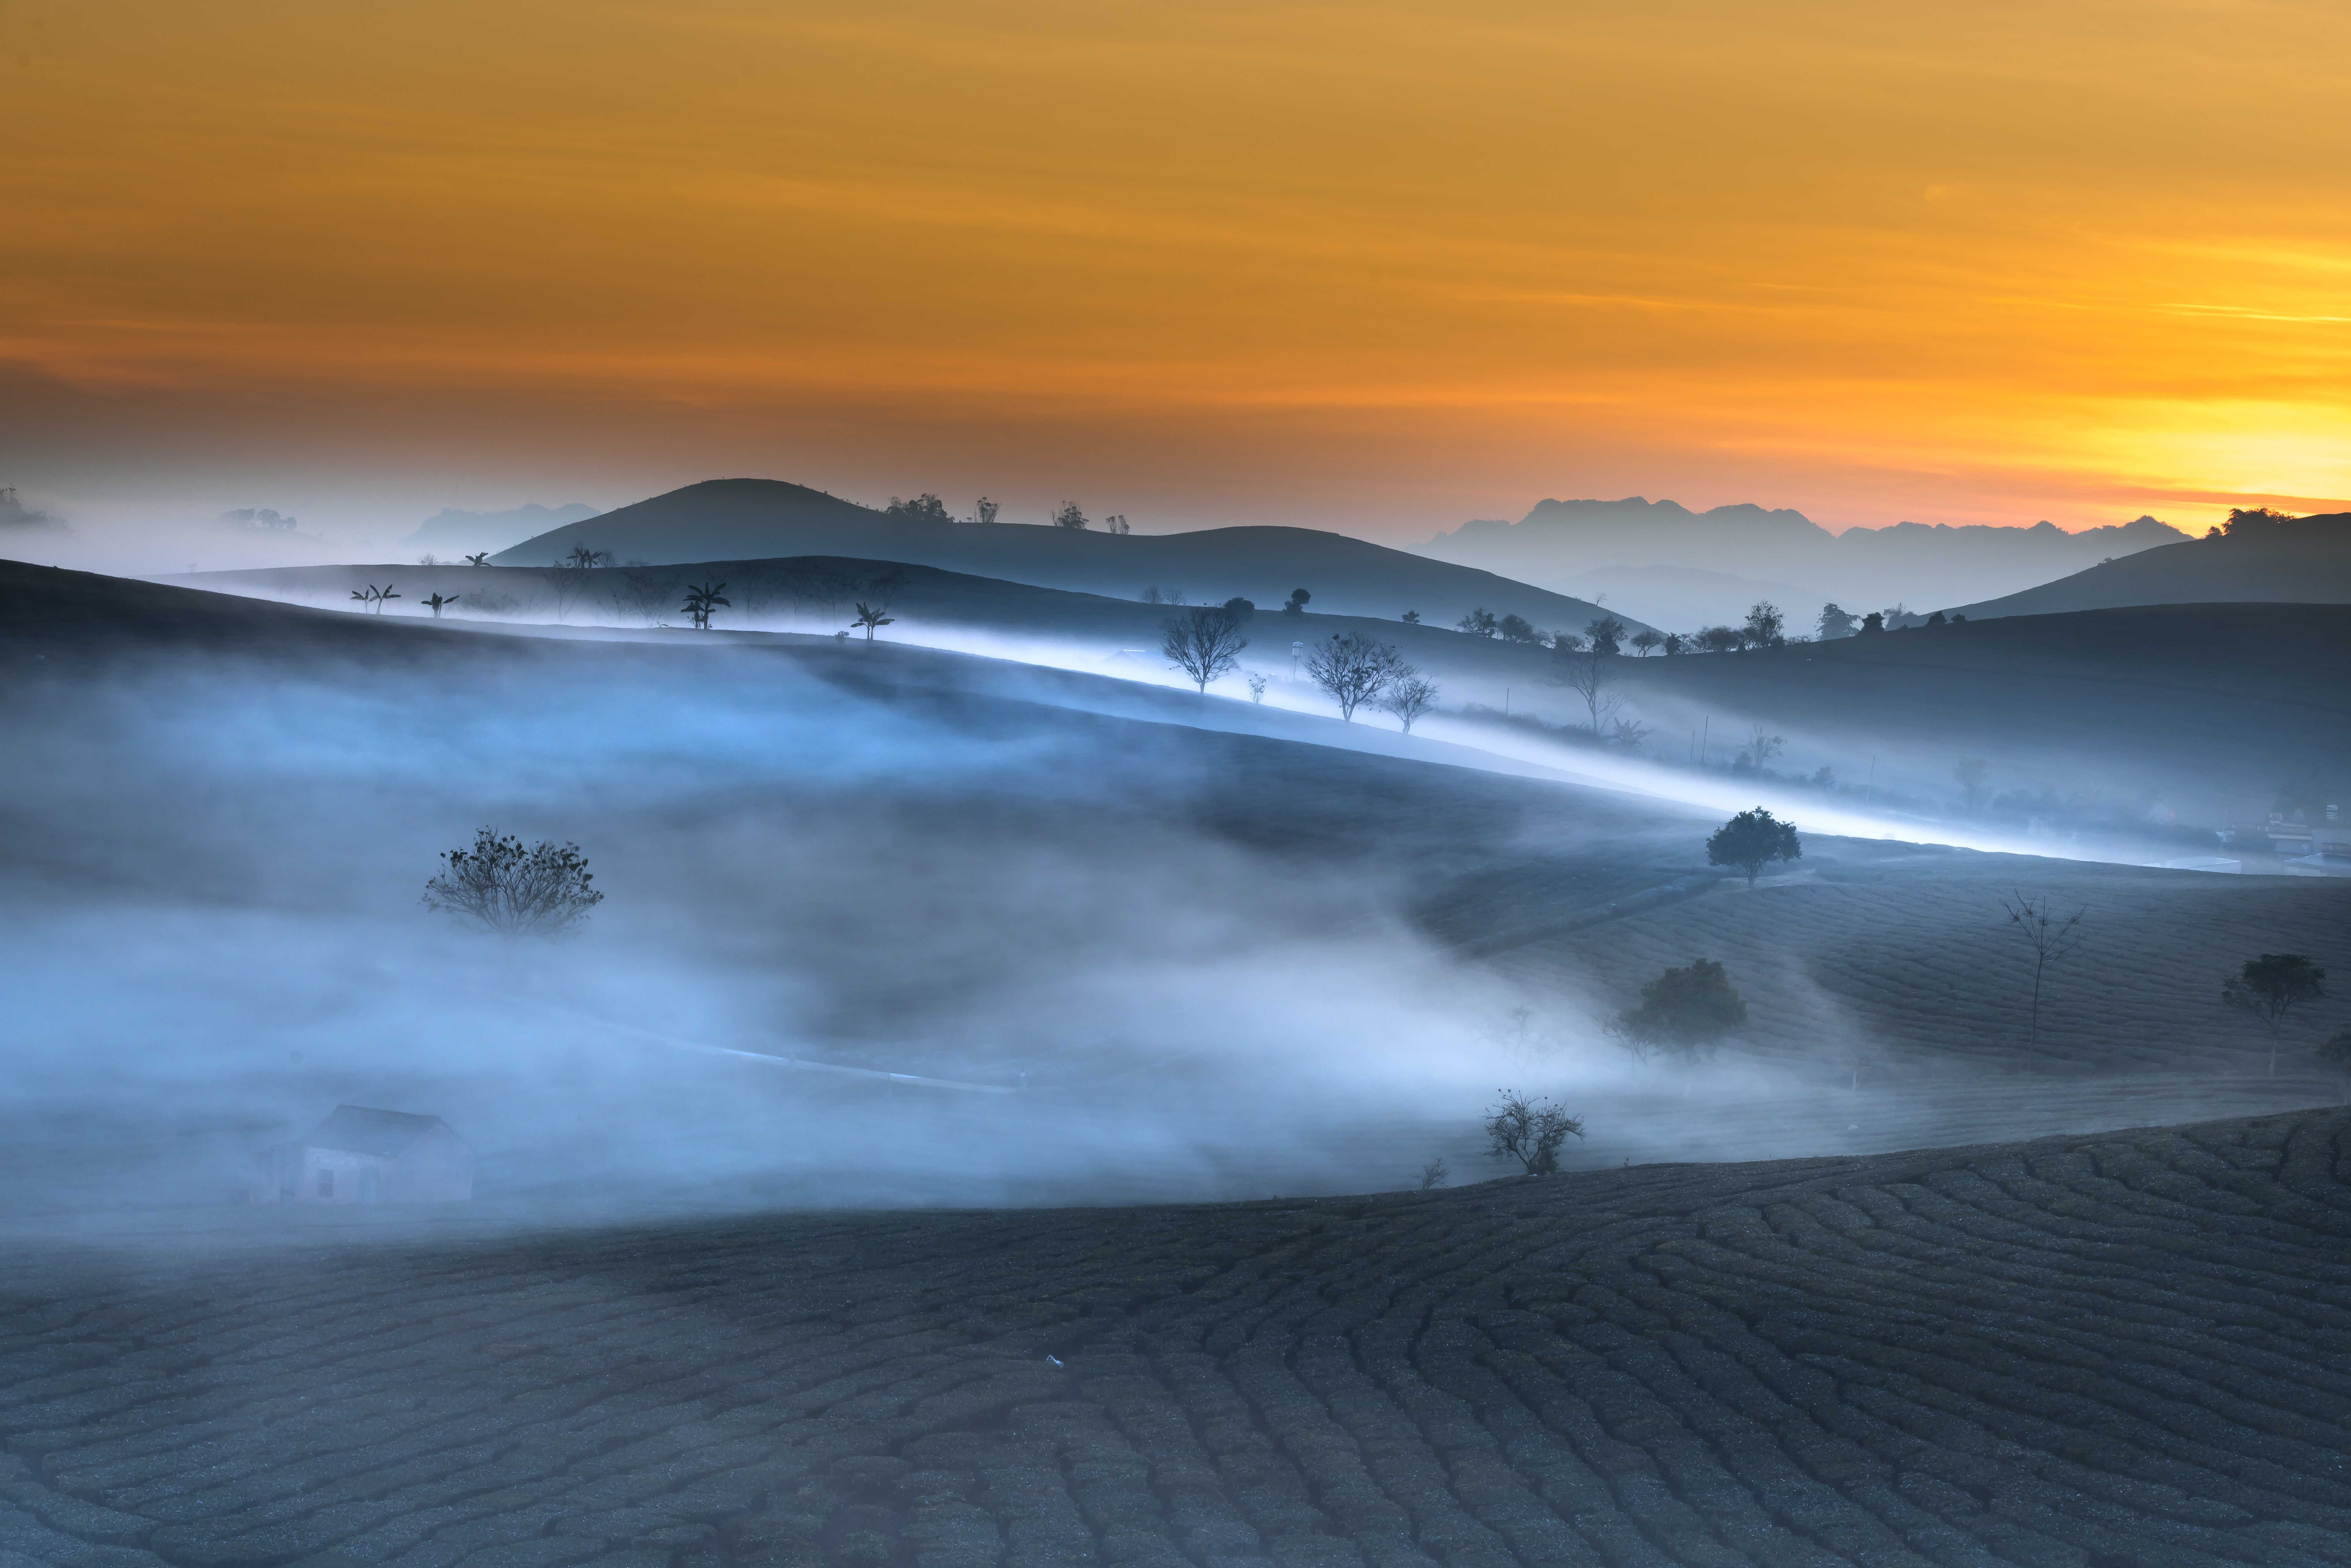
(438, 1168)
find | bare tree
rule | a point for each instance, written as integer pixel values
(2269, 987)
(1530, 1131)
(1256, 685)
(1204, 643)
(1435, 1173)
(1409, 697)
(545, 890)
(2050, 938)
(1589, 676)
(1353, 669)
(1762, 746)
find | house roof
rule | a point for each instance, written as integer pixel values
(356, 1129)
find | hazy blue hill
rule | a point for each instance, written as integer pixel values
(1687, 597)
(743, 519)
(1916, 563)
(2306, 560)
(454, 532)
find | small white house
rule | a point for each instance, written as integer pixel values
(362, 1156)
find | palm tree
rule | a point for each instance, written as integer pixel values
(373, 597)
(871, 616)
(435, 604)
(700, 602)
(481, 560)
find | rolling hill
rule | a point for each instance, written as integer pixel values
(2302, 560)
(743, 519)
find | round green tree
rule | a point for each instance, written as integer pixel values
(1751, 840)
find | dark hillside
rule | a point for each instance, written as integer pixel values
(2120, 1349)
(742, 519)
(2304, 561)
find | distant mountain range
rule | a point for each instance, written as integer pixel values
(455, 533)
(1560, 542)
(746, 520)
(2292, 560)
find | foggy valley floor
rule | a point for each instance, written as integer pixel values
(1128, 947)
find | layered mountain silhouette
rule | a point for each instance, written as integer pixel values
(458, 533)
(2291, 561)
(1557, 544)
(742, 519)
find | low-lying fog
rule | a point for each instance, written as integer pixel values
(213, 936)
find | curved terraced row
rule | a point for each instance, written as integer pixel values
(2095, 1351)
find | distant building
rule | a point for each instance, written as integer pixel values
(361, 1155)
(2330, 849)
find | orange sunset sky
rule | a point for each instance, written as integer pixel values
(1374, 266)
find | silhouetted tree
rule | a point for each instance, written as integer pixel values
(1675, 644)
(1762, 746)
(435, 604)
(373, 597)
(2050, 938)
(2249, 519)
(1628, 734)
(1412, 617)
(1765, 625)
(1972, 774)
(1645, 640)
(1567, 642)
(1151, 594)
(1352, 669)
(1068, 516)
(543, 891)
(873, 617)
(1115, 524)
(1872, 622)
(1205, 643)
(1241, 609)
(1435, 1173)
(1529, 1131)
(2269, 987)
(1479, 623)
(583, 558)
(1835, 624)
(703, 600)
(1297, 602)
(1751, 840)
(1683, 1009)
(987, 510)
(1606, 634)
(1721, 639)
(2337, 1054)
(1409, 697)
(1515, 628)
(481, 560)
(1589, 677)
(923, 509)
(1256, 685)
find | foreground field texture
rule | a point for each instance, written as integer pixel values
(2128, 1349)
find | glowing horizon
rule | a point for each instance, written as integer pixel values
(1380, 270)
